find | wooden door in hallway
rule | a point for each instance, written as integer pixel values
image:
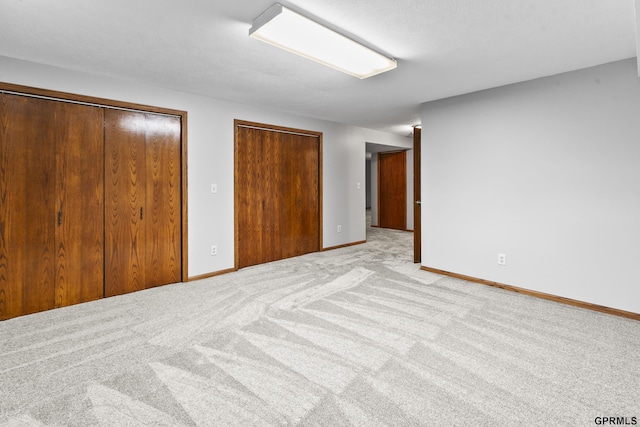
(392, 190)
(277, 193)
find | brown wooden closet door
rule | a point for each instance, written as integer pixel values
(80, 223)
(392, 190)
(162, 215)
(277, 195)
(274, 214)
(300, 190)
(142, 201)
(51, 250)
(27, 206)
(125, 198)
(250, 200)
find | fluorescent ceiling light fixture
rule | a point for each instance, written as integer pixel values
(298, 34)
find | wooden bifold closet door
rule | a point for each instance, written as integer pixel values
(90, 201)
(51, 204)
(143, 203)
(277, 194)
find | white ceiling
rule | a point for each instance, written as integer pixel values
(443, 48)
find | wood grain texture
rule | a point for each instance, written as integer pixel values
(272, 197)
(125, 195)
(300, 190)
(143, 196)
(52, 211)
(79, 141)
(277, 193)
(162, 219)
(250, 190)
(90, 99)
(27, 206)
(64, 96)
(392, 190)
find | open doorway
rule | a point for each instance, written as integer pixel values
(373, 152)
(392, 190)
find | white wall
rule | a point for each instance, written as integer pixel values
(210, 156)
(547, 172)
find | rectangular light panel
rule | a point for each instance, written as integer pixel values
(298, 34)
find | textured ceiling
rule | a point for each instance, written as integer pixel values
(443, 48)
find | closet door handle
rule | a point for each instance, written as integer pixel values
(141, 213)
(59, 218)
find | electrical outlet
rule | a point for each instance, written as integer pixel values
(214, 250)
(358, 186)
(339, 229)
(502, 259)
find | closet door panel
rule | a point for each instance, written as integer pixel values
(27, 206)
(310, 196)
(277, 194)
(300, 223)
(309, 172)
(125, 196)
(90, 202)
(80, 223)
(250, 200)
(162, 216)
(273, 185)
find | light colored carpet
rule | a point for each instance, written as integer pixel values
(355, 336)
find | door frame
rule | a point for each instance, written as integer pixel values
(121, 105)
(417, 202)
(237, 124)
